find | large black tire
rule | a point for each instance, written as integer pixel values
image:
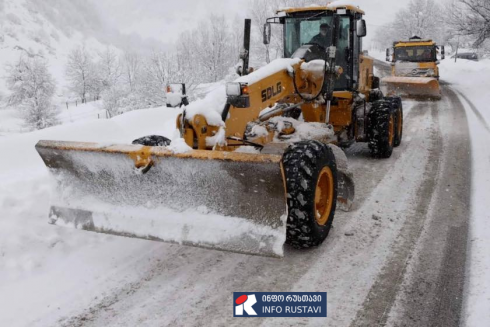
(152, 140)
(311, 183)
(381, 130)
(397, 105)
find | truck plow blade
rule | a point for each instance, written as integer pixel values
(414, 87)
(211, 199)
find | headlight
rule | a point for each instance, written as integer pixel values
(236, 89)
(233, 89)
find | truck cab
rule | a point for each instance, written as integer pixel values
(415, 58)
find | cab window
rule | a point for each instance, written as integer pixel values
(306, 30)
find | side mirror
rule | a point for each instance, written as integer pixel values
(361, 28)
(388, 57)
(267, 33)
(443, 53)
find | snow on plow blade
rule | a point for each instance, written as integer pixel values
(211, 199)
(416, 87)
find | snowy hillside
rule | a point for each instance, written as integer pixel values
(25, 27)
(50, 31)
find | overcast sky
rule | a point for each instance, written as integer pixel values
(165, 19)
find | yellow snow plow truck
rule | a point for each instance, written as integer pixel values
(414, 71)
(257, 164)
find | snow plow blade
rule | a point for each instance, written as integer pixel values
(413, 87)
(211, 199)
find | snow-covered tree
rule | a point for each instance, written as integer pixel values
(202, 55)
(423, 18)
(132, 66)
(212, 39)
(110, 67)
(32, 88)
(80, 72)
(420, 17)
(113, 98)
(186, 68)
(471, 18)
(207, 53)
(153, 79)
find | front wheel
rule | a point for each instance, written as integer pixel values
(311, 183)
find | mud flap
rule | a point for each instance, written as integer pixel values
(219, 200)
(346, 187)
(416, 87)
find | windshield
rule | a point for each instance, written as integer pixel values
(314, 29)
(415, 54)
(300, 31)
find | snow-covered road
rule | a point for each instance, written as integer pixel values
(398, 236)
(398, 258)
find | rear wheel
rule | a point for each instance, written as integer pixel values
(397, 106)
(375, 95)
(381, 130)
(311, 183)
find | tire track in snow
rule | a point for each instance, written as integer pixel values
(476, 300)
(377, 223)
(382, 294)
(475, 110)
(432, 292)
(431, 259)
(361, 162)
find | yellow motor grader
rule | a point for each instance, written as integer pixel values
(414, 71)
(257, 165)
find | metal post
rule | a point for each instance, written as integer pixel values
(246, 46)
(457, 49)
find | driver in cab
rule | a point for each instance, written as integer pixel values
(323, 38)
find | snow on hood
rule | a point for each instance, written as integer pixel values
(213, 103)
(268, 70)
(210, 107)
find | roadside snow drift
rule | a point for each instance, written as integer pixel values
(472, 81)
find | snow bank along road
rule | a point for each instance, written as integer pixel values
(398, 258)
